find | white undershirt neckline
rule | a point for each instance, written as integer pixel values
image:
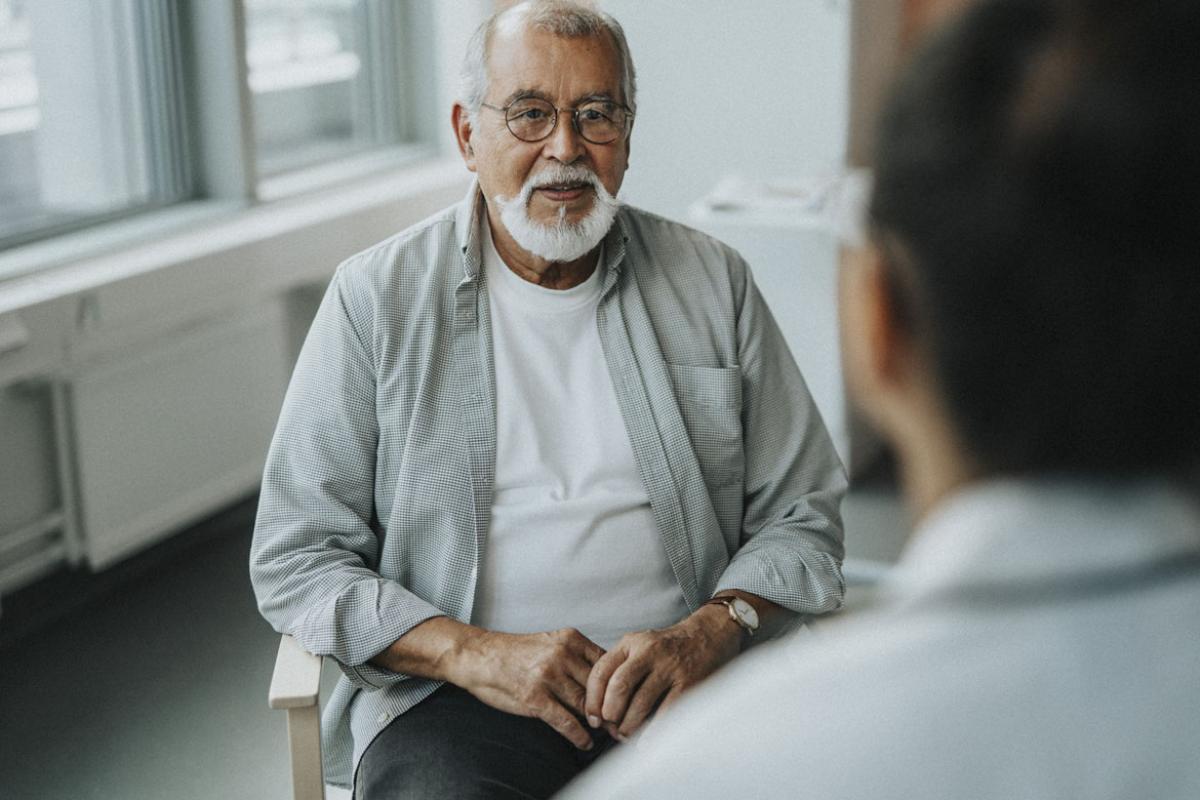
(537, 299)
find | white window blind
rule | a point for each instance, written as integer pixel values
(91, 114)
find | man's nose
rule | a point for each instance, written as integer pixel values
(564, 143)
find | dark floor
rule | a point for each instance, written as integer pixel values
(156, 688)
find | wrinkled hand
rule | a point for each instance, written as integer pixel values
(648, 670)
(540, 675)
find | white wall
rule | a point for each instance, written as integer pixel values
(751, 86)
(758, 88)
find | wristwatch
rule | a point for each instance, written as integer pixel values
(740, 612)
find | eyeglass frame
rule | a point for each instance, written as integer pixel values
(629, 115)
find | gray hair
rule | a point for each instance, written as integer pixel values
(560, 17)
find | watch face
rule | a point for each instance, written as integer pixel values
(746, 613)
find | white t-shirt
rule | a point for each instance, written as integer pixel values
(572, 541)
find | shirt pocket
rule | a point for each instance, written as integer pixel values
(710, 401)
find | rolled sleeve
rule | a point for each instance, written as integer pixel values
(316, 545)
(791, 540)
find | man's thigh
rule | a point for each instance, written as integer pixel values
(453, 746)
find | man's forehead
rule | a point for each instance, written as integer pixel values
(524, 92)
(525, 61)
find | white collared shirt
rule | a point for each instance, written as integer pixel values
(1039, 640)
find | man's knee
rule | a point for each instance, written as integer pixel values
(453, 746)
(432, 770)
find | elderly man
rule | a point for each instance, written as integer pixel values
(545, 461)
(1024, 330)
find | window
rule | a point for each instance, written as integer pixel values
(90, 120)
(114, 107)
(19, 117)
(324, 79)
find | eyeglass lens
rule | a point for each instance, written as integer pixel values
(599, 122)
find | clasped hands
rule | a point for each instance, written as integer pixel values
(564, 678)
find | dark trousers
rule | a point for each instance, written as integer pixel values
(451, 745)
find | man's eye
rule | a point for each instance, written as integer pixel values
(591, 115)
(530, 114)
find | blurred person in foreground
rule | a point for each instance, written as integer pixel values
(1025, 329)
(545, 461)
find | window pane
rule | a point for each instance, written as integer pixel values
(317, 92)
(86, 131)
(19, 116)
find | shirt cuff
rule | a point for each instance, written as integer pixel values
(807, 585)
(361, 623)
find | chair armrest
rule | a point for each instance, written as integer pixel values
(296, 681)
(295, 686)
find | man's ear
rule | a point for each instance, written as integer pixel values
(461, 120)
(891, 345)
(877, 348)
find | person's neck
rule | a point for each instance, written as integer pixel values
(926, 489)
(932, 467)
(528, 267)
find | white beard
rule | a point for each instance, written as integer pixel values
(562, 240)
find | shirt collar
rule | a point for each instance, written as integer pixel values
(1023, 530)
(614, 251)
(466, 226)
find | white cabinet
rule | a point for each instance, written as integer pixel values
(114, 435)
(170, 429)
(36, 527)
(33, 537)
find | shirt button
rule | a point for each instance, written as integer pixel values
(384, 718)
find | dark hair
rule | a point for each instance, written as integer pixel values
(1037, 197)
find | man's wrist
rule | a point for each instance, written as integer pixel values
(458, 654)
(715, 617)
(743, 609)
(436, 649)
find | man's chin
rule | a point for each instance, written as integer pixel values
(559, 213)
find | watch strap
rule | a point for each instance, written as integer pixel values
(728, 603)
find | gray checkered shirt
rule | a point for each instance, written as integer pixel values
(378, 485)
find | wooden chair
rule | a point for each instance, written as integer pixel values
(296, 684)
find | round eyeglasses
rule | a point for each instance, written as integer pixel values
(531, 119)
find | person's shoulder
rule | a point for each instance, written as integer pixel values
(915, 702)
(659, 236)
(679, 263)
(844, 656)
(814, 710)
(842, 661)
(656, 224)
(417, 250)
(403, 276)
